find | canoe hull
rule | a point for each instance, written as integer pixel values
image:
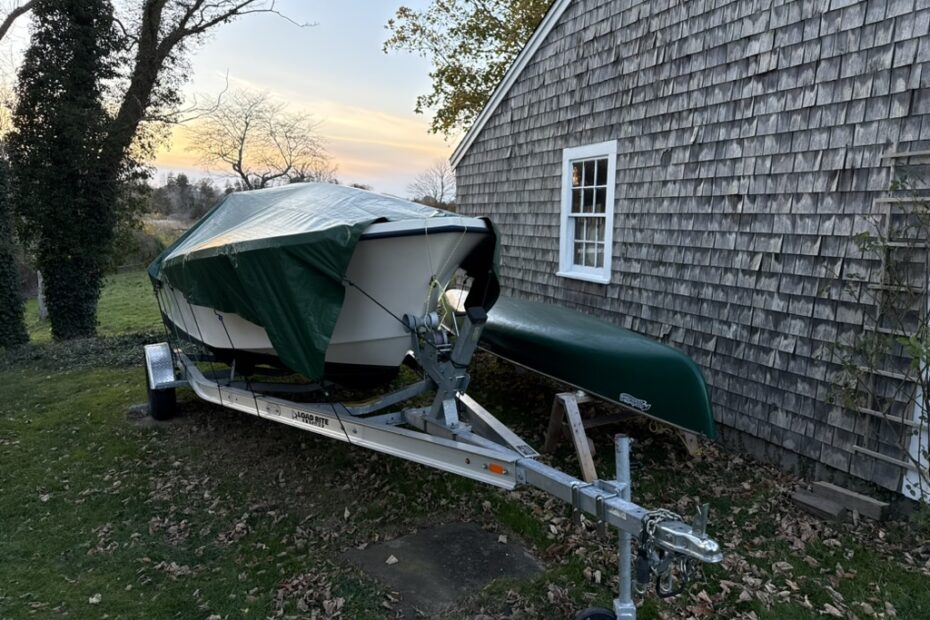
(602, 359)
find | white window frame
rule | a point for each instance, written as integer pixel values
(567, 268)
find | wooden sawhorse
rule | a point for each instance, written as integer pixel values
(565, 410)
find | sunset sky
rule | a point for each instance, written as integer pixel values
(334, 70)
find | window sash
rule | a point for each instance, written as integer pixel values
(588, 236)
(586, 231)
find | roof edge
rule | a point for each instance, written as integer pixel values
(529, 50)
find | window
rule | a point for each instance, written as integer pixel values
(586, 233)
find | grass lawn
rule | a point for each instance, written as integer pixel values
(127, 305)
(220, 515)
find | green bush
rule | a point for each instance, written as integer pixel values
(136, 248)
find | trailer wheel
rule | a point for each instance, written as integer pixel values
(162, 403)
(596, 613)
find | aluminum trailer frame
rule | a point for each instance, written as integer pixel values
(457, 435)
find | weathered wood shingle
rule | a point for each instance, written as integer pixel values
(750, 136)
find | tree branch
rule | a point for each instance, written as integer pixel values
(163, 32)
(237, 10)
(14, 15)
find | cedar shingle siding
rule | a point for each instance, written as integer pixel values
(750, 139)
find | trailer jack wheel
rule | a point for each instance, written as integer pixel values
(596, 613)
(162, 403)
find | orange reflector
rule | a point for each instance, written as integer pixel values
(494, 468)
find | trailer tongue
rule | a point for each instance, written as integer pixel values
(457, 435)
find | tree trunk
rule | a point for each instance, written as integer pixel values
(72, 287)
(151, 55)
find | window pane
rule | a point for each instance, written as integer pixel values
(596, 229)
(590, 255)
(576, 201)
(589, 201)
(600, 197)
(576, 174)
(581, 225)
(579, 254)
(599, 260)
(589, 172)
(602, 172)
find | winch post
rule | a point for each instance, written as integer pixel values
(624, 607)
(448, 369)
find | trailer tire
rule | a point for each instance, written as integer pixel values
(596, 613)
(162, 403)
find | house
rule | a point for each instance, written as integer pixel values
(699, 171)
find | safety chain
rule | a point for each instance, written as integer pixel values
(653, 518)
(653, 561)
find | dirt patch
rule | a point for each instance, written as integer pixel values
(434, 568)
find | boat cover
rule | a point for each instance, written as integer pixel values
(277, 258)
(602, 359)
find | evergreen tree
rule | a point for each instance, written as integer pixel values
(62, 197)
(12, 328)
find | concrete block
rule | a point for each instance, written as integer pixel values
(819, 506)
(863, 504)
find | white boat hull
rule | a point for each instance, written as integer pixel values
(394, 263)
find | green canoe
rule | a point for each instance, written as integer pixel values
(603, 360)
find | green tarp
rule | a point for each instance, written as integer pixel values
(277, 257)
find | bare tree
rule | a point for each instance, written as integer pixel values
(435, 186)
(156, 36)
(319, 170)
(261, 141)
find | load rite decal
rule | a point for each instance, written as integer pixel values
(636, 403)
(311, 419)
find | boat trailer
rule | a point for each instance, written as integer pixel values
(456, 434)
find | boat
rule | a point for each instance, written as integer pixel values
(317, 277)
(601, 359)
